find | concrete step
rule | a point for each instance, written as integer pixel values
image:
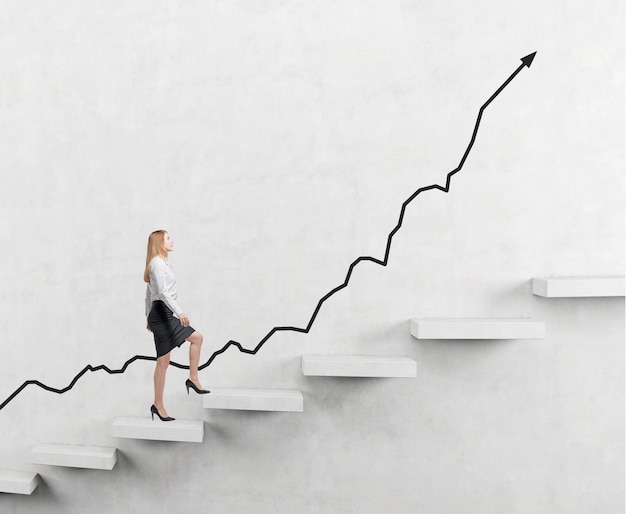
(579, 287)
(91, 457)
(185, 430)
(477, 328)
(18, 482)
(358, 366)
(282, 400)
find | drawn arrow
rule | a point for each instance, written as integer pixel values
(526, 62)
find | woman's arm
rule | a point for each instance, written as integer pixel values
(148, 305)
(157, 273)
(148, 300)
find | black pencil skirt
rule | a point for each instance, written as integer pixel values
(167, 329)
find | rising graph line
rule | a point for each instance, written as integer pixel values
(526, 62)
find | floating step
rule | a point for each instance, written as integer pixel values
(579, 287)
(91, 457)
(18, 482)
(281, 400)
(184, 430)
(477, 328)
(358, 366)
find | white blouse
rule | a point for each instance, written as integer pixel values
(162, 286)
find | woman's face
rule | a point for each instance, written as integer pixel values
(169, 243)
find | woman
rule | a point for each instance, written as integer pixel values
(166, 320)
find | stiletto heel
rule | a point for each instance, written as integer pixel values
(189, 384)
(154, 411)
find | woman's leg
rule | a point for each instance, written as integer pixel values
(159, 382)
(195, 347)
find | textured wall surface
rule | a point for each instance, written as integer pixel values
(276, 142)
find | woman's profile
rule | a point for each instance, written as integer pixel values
(166, 320)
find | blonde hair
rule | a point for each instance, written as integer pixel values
(156, 248)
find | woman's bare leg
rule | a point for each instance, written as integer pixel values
(159, 382)
(195, 347)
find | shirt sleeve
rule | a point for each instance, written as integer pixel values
(148, 300)
(157, 273)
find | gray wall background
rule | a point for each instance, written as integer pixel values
(276, 142)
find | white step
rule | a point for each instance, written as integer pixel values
(283, 400)
(185, 430)
(579, 287)
(18, 482)
(358, 366)
(92, 457)
(477, 328)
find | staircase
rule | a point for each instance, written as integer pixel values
(287, 400)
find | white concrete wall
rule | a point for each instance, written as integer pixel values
(276, 141)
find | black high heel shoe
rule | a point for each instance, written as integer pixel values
(154, 411)
(189, 384)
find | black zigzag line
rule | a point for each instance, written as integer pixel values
(526, 62)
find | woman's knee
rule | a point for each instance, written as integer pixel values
(196, 338)
(163, 362)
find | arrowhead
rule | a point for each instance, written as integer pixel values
(528, 59)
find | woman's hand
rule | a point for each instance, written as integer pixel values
(184, 320)
(148, 327)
